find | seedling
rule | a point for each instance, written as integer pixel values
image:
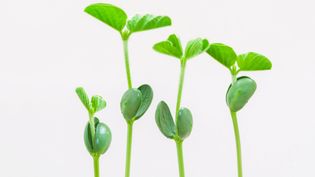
(182, 127)
(97, 135)
(241, 88)
(134, 102)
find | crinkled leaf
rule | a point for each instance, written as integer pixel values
(98, 103)
(164, 120)
(83, 97)
(253, 62)
(146, 99)
(223, 54)
(184, 123)
(109, 14)
(240, 92)
(130, 103)
(172, 46)
(146, 22)
(196, 47)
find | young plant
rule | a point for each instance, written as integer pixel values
(136, 100)
(97, 135)
(241, 88)
(181, 128)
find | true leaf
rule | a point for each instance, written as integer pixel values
(146, 99)
(130, 103)
(164, 120)
(83, 97)
(146, 22)
(184, 123)
(253, 62)
(196, 47)
(109, 14)
(172, 46)
(223, 54)
(98, 103)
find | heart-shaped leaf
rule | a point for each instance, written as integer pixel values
(223, 54)
(253, 62)
(98, 103)
(164, 120)
(172, 46)
(109, 14)
(147, 22)
(240, 92)
(196, 47)
(146, 99)
(84, 98)
(130, 103)
(102, 139)
(184, 123)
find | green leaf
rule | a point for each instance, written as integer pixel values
(164, 120)
(184, 123)
(196, 47)
(223, 54)
(172, 46)
(98, 103)
(146, 99)
(240, 92)
(130, 103)
(102, 138)
(147, 22)
(253, 62)
(83, 97)
(109, 14)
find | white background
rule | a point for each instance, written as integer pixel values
(48, 48)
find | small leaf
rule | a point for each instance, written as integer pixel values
(172, 46)
(253, 62)
(164, 120)
(196, 47)
(146, 99)
(223, 54)
(109, 14)
(98, 103)
(102, 139)
(83, 97)
(130, 103)
(184, 123)
(147, 22)
(240, 92)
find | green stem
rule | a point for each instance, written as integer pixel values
(179, 143)
(180, 86)
(180, 157)
(238, 143)
(128, 150)
(92, 127)
(96, 166)
(125, 43)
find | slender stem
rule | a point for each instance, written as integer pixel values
(179, 143)
(125, 43)
(238, 143)
(180, 157)
(96, 166)
(92, 128)
(180, 87)
(128, 150)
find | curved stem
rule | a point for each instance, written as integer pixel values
(238, 143)
(128, 150)
(96, 166)
(180, 158)
(180, 87)
(125, 43)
